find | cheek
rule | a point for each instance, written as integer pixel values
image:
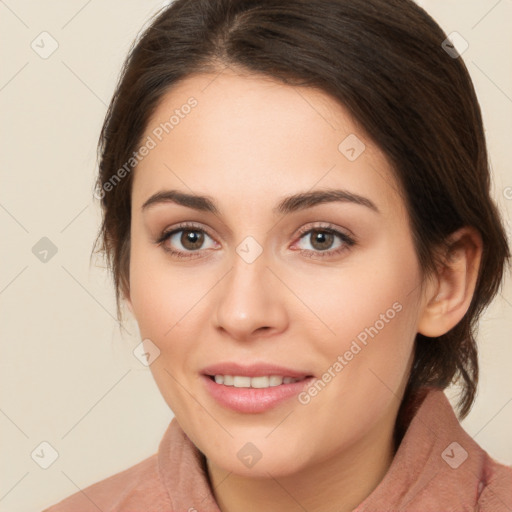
(165, 303)
(371, 313)
(160, 294)
(373, 291)
(168, 301)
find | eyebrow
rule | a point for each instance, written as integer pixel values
(290, 204)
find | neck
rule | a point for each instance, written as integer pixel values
(338, 483)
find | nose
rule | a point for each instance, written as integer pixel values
(251, 301)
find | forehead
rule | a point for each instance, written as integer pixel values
(253, 103)
(229, 132)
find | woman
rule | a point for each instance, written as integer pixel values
(297, 212)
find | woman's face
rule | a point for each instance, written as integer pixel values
(323, 290)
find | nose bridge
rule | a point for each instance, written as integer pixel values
(249, 299)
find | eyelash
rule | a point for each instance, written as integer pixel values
(348, 241)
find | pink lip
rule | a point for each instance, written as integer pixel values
(252, 370)
(252, 400)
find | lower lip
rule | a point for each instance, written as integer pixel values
(253, 400)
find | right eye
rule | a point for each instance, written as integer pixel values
(183, 239)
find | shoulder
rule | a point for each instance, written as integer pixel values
(137, 486)
(439, 466)
(495, 492)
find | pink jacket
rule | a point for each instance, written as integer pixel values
(437, 468)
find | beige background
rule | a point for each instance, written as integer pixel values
(68, 376)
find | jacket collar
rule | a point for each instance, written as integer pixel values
(437, 464)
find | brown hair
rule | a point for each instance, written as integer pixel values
(384, 61)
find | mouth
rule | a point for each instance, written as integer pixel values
(259, 382)
(253, 389)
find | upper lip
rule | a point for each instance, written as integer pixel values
(252, 370)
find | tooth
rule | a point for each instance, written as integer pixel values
(228, 380)
(259, 382)
(242, 382)
(264, 381)
(275, 380)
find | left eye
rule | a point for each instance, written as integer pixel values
(322, 239)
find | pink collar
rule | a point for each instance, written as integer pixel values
(437, 467)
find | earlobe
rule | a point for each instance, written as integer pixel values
(448, 297)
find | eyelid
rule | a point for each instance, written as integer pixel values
(182, 226)
(167, 233)
(319, 225)
(348, 239)
(303, 230)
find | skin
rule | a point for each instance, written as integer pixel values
(249, 143)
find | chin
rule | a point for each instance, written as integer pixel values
(282, 465)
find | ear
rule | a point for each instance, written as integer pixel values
(448, 295)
